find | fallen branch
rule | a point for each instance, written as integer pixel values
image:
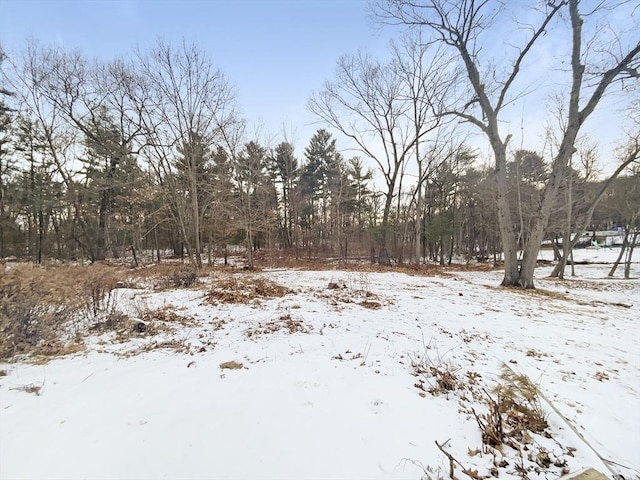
(473, 474)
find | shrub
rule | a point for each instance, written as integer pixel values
(33, 306)
(98, 284)
(184, 277)
(42, 309)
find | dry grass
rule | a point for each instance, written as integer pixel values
(436, 374)
(165, 276)
(436, 380)
(49, 350)
(46, 312)
(231, 365)
(354, 290)
(42, 310)
(287, 259)
(174, 345)
(147, 323)
(166, 316)
(284, 322)
(514, 414)
(31, 388)
(370, 304)
(244, 289)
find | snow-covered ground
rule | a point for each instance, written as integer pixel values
(336, 383)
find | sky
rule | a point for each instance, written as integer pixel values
(275, 52)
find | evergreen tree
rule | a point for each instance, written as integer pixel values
(193, 178)
(283, 167)
(220, 223)
(320, 169)
(361, 201)
(36, 191)
(6, 223)
(256, 196)
(108, 168)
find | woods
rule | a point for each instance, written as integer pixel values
(149, 155)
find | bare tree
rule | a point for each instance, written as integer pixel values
(93, 103)
(30, 74)
(369, 102)
(463, 27)
(422, 68)
(188, 98)
(628, 155)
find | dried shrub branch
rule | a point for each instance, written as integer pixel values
(43, 310)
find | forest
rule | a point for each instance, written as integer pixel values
(148, 156)
(184, 295)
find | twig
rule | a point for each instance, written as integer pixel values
(449, 456)
(453, 460)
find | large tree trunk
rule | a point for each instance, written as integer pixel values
(458, 25)
(567, 244)
(508, 233)
(534, 240)
(627, 263)
(383, 253)
(623, 248)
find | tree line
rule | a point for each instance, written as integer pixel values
(149, 154)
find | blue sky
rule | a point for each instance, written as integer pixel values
(276, 52)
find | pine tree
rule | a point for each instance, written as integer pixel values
(283, 167)
(319, 171)
(6, 223)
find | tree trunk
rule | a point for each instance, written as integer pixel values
(567, 244)
(383, 253)
(507, 227)
(249, 239)
(623, 248)
(631, 157)
(135, 256)
(627, 264)
(195, 211)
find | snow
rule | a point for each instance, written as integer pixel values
(335, 397)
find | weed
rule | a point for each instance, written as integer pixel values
(284, 322)
(351, 291)
(441, 375)
(244, 289)
(370, 304)
(30, 388)
(232, 365)
(184, 277)
(164, 275)
(490, 423)
(521, 404)
(99, 283)
(43, 309)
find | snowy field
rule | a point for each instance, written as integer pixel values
(350, 375)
